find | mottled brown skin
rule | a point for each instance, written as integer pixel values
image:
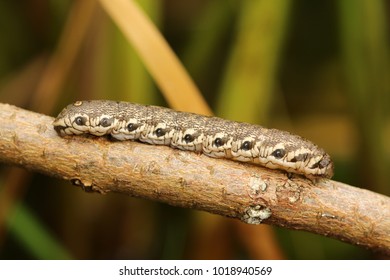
(212, 136)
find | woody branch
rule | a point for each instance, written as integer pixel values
(184, 179)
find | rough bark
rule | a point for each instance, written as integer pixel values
(249, 193)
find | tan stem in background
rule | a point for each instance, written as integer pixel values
(156, 54)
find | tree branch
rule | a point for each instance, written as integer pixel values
(249, 193)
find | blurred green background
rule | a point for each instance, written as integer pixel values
(316, 68)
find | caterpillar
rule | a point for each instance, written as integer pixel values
(212, 136)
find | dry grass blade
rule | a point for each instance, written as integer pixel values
(157, 56)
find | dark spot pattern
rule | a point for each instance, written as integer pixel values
(247, 145)
(132, 127)
(80, 120)
(218, 142)
(160, 132)
(301, 157)
(278, 153)
(105, 122)
(188, 138)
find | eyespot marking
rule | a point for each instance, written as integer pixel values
(80, 120)
(188, 138)
(247, 145)
(218, 142)
(278, 153)
(106, 122)
(160, 132)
